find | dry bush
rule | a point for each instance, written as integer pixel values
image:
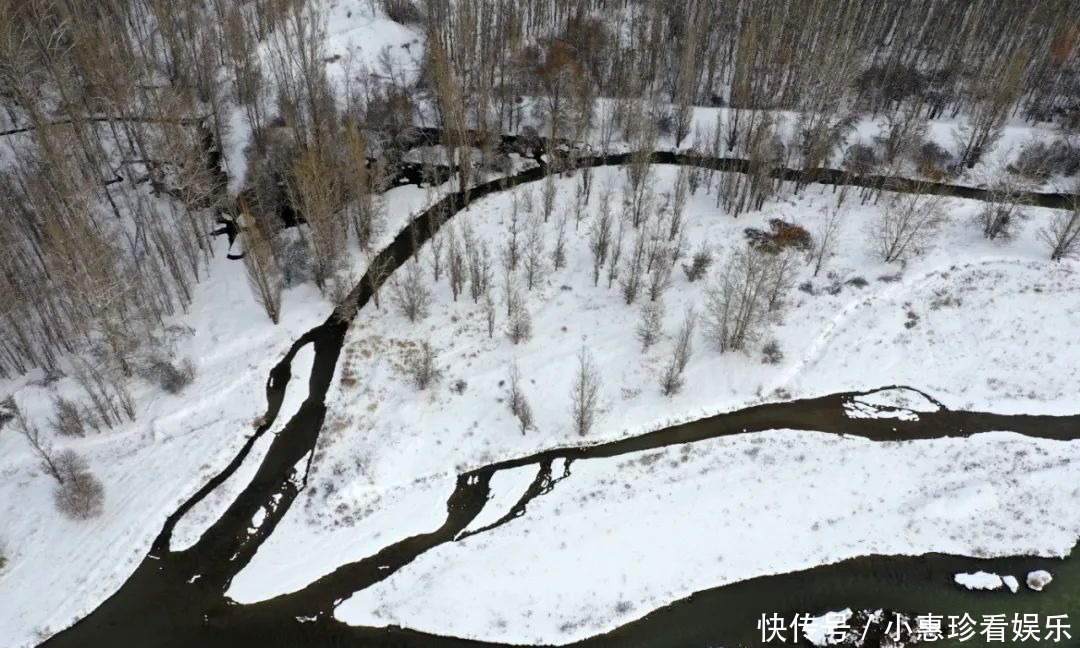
(781, 235)
(1039, 160)
(699, 265)
(403, 11)
(70, 419)
(78, 494)
(422, 366)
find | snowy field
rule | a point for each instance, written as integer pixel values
(975, 324)
(700, 515)
(149, 466)
(972, 346)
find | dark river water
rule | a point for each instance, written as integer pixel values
(175, 598)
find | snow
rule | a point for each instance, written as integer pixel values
(993, 330)
(980, 580)
(819, 630)
(507, 487)
(1038, 579)
(58, 570)
(849, 341)
(1011, 583)
(762, 503)
(369, 519)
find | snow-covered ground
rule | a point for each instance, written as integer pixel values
(975, 324)
(992, 326)
(622, 536)
(971, 346)
(60, 569)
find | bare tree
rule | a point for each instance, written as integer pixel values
(558, 252)
(534, 253)
(906, 223)
(489, 314)
(511, 252)
(422, 365)
(78, 493)
(455, 265)
(409, 293)
(600, 235)
(738, 301)
(584, 393)
(648, 328)
(671, 378)
(519, 404)
(699, 264)
(547, 195)
(825, 239)
(998, 216)
(519, 322)
(1062, 234)
(263, 274)
(437, 242)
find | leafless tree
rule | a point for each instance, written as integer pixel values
(263, 274)
(600, 235)
(409, 292)
(1062, 234)
(585, 393)
(547, 196)
(906, 223)
(648, 328)
(519, 322)
(519, 404)
(455, 264)
(825, 240)
(737, 310)
(78, 494)
(511, 252)
(534, 253)
(631, 280)
(558, 252)
(671, 378)
(998, 216)
(489, 314)
(422, 365)
(699, 264)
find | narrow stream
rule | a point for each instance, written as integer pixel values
(177, 598)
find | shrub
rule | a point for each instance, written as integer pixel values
(699, 265)
(171, 375)
(1039, 160)
(402, 11)
(771, 353)
(781, 235)
(860, 159)
(70, 420)
(932, 159)
(422, 366)
(78, 494)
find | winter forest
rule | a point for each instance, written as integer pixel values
(406, 322)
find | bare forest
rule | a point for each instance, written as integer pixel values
(113, 177)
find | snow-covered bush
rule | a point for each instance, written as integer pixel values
(70, 419)
(1040, 160)
(171, 375)
(410, 294)
(932, 159)
(771, 353)
(648, 328)
(422, 366)
(403, 11)
(78, 493)
(699, 265)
